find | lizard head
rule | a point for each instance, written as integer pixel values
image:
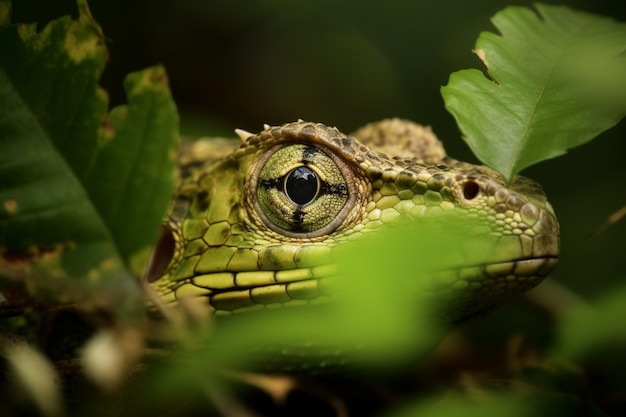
(256, 227)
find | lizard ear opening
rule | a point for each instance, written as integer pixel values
(161, 256)
(470, 190)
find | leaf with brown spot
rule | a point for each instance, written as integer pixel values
(87, 185)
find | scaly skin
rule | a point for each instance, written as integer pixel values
(240, 241)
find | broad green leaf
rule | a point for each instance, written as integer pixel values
(385, 312)
(82, 192)
(558, 79)
(380, 316)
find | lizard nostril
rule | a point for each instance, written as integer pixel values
(161, 256)
(470, 190)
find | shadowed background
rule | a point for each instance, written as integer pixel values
(345, 63)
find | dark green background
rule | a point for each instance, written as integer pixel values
(345, 63)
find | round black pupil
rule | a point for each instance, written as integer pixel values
(301, 185)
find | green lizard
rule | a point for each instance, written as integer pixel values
(254, 226)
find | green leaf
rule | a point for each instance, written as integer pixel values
(379, 318)
(558, 79)
(132, 177)
(382, 316)
(82, 193)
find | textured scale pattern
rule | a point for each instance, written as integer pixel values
(244, 251)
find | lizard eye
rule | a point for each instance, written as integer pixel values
(302, 185)
(301, 190)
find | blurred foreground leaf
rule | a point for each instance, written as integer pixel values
(31, 372)
(502, 403)
(458, 406)
(587, 330)
(558, 79)
(382, 316)
(82, 193)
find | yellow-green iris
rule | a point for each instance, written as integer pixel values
(301, 191)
